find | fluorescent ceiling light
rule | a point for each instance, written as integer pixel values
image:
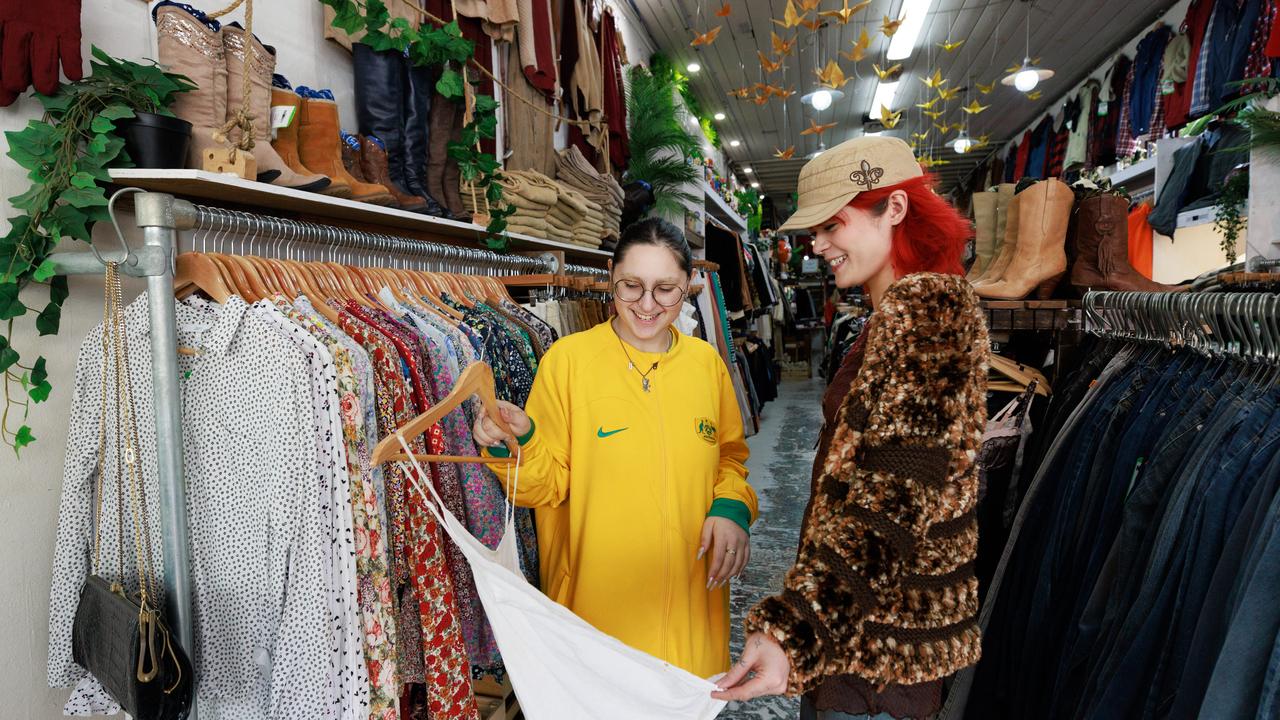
(885, 92)
(747, 170)
(719, 116)
(735, 143)
(755, 184)
(913, 15)
(693, 67)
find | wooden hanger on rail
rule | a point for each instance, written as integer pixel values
(1016, 376)
(477, 379)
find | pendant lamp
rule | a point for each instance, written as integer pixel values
(1027, 76)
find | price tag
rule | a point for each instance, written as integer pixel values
(1102, 109)
(282, 116)
(1166, 87)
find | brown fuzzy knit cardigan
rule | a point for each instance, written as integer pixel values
(884, 586)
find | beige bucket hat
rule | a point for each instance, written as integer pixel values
(829, 181)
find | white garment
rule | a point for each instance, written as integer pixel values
(562, 668)
(687, 323)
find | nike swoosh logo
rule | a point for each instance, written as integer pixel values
(600, 433)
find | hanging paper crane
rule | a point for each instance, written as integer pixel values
(769, 66)
(943, 128)
(846, 13)
(934, 81)
(832, 76)
(935, 114)
(920, 136)
(985, 89)
(927, 106)
(1035, 95)
(808, 6)
(816, 129)
(761, 99)
(951, 46)
(780, 93)
(859, 47)
(974, 107)
(741, 93)
(790, 17)
(724, 10)
(889, 27)
(980, 143)
(947, 94)
(707, 37)
(890, 119)
(784, 154)
(782, 47)
(814, 25)
(886, 74)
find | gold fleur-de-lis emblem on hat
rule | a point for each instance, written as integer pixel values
(867, 176)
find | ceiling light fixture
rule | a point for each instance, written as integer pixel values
(693, 67)
(963, 143)
(821, 98)
(755, 184)
(735, 143)
(913, 15)
(1028, 76)
(719, 116)
(747, 170)
(885, 93)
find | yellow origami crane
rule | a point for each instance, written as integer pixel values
(974, 107)
(1012, 69)
(782, 47)
(935, 114)
(943, 128)
(707, 37)
(816, 129)
(769, 66)
(951, 46)
(845, 14)
(1035, 95)
(890, 119)
(832, 76)
(889, 27)
(741, 93)
(985, 89)
(814, 25)
(784, 154)
(808, 6)
(761, 99)
(779, 91)
(920, 136)
(927, 106)
(934, 81)
(946, 95)
(790, 17)
(859, 47)
(886, 74)
(980, 143)
(724, 10)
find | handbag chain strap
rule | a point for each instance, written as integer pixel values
(115, 352)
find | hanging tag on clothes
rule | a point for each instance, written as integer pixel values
(1166, 87)
(1102, 108)
(282, 116)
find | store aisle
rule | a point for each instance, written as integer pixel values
(781, 456)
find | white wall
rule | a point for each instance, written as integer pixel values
(30, 487)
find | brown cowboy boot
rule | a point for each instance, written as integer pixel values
(1102, 247)
(319, 143)
(1041, 258)
(373, 164)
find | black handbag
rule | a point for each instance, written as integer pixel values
(121, 638)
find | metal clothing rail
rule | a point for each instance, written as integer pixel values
(161, 218)
(598, 273)
(1241, 325)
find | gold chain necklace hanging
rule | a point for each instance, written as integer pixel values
(631, 365)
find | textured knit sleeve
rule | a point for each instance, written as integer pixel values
(878, 591)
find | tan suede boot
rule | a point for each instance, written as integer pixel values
(984, 232)
(1043, 216)
(995, 271)
(320, 146)
(188, 47)
(286, 142)
(271, 167)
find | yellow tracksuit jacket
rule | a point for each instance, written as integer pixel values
(622, 480)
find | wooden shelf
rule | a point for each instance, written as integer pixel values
(721, 210)
(1051, 315)
(222, 190)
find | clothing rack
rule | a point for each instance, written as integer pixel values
(1239, 325)
(161, 217)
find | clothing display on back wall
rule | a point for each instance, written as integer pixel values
(308, 512)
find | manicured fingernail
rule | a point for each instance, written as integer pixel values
(701, 551)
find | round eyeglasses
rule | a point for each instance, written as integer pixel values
(664, 295)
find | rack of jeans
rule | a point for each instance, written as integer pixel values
(1142, 570)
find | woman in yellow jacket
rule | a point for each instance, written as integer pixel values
(632, 455)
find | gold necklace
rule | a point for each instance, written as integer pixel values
(644, 376)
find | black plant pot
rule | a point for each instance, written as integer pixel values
(155, 141)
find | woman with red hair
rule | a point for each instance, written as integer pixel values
(882, 601)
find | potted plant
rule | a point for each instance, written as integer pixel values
(66, 155)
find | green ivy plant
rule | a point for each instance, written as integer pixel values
(428, 45)
(749, 203)
(66, 155)
(1229, 217)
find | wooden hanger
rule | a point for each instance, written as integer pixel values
(197, 271)
(236, 275)
(475, 380)
(309, 288)
(1019, 374)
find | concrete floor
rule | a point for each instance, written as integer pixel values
(781, 458)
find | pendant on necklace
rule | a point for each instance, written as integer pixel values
(644, 383)
(631, 366)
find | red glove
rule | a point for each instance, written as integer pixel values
(34, 36)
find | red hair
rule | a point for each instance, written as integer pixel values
(932, 236)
